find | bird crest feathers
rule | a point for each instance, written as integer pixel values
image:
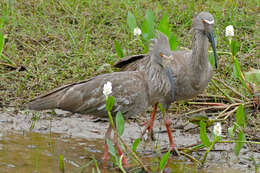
(159, 45)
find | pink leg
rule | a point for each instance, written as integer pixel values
(149, 125)
(167, 123)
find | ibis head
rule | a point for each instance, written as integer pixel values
(205, 22)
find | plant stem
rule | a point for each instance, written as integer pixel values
(232, 89)
(190, 157)
(206, 153)
(250, 142)
(123, 142)
(111, 120)
(228, 97)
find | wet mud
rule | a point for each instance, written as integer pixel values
(33, 142)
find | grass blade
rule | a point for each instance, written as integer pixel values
(61, 164)
(131, 21)
(2, 41)
(96, 165)
(164, 160)
(118, 49)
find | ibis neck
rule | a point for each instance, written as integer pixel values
(199, 59)
(159, 85)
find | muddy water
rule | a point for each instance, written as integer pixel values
(35, 152)
(80, 139)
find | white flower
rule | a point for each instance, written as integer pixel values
(107, 89)
(217, 129)
(137, 31)
(229, 31)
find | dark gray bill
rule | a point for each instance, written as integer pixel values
(212, 41)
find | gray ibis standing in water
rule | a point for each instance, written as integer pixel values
(133, 91)
(191, 70)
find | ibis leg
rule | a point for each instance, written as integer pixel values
(167, 123)
(149, 125)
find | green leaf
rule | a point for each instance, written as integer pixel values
(253, 76)
(196, 119)
(234, 47)
(203, 134)
(1, 42)
(1, 22)
(164, 25)
(61, 163)
(148, 25)
(240, 116)
(173, 42)
(118, 49)
(120, 123)
(111, 148)
(110, 103)
(96, 164)
(131, 21)
(239, 145)
(237, 69)
(164, 160)
(161, 108)
(135, 144)
(212, 59)
(231, 131)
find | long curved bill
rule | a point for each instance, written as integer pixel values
(213, 44)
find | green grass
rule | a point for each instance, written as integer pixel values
(60, 42)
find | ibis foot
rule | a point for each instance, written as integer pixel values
(149, 130)
(167, 123)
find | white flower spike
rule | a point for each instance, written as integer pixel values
(137, 31)
(217, 129)
(107, 89)
(229, 31)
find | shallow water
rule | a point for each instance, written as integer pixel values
(80, 139)
(35, 152)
